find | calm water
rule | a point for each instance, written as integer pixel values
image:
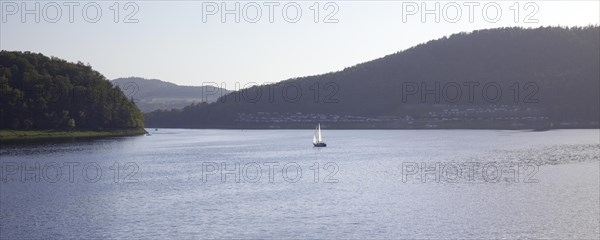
(369, 184)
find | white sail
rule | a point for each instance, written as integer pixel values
(315, 135)
(319, 133)
(318, 138)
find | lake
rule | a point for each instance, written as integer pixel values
(180, 183)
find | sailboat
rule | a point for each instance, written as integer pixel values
(317, 138)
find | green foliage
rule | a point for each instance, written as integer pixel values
(39, 92)
(71, 123)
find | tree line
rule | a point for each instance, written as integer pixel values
(550, 71)
(40, 93)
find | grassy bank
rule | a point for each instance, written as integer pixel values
(14, 135)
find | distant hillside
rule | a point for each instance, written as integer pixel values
(498, 78)
(43, 93)
(152, 94)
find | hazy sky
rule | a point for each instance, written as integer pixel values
(171, 41)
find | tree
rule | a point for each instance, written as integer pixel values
(71, 123)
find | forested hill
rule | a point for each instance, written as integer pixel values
(497, 78)
(154, 94)
(42, 93)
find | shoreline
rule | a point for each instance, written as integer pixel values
(20, 135)
(366, 128)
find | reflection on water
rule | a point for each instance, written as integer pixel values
(272, 183)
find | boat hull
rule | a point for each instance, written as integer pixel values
(319, 144)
